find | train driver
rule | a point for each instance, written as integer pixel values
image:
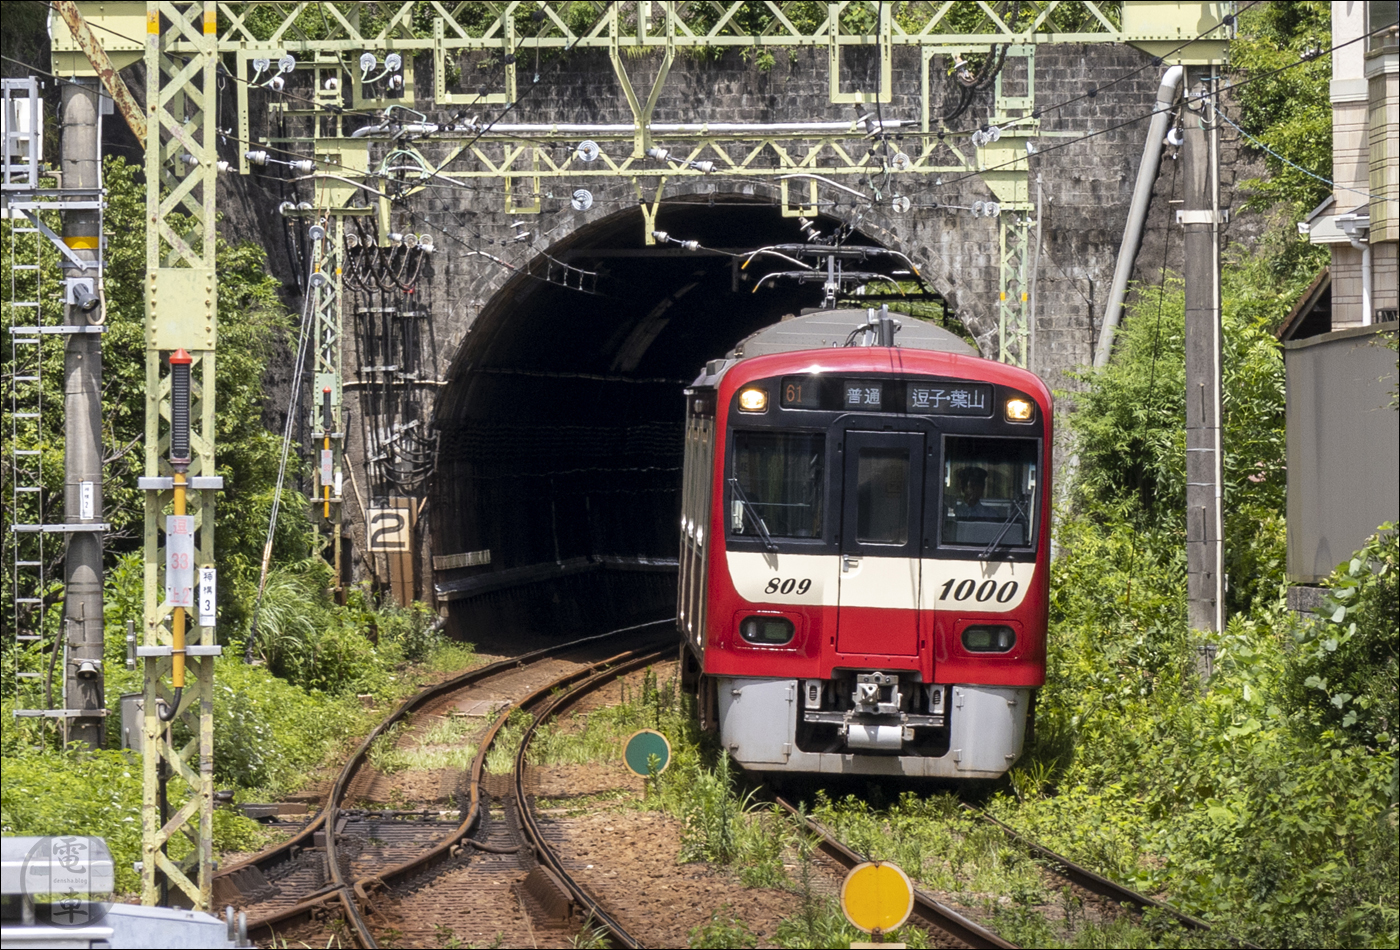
(972, 485)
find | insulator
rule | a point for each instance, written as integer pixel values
(703, 167)
(256, 156)
(658, 153)
(180, 407)
(276, 83)
(305, 166)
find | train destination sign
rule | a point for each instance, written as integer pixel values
(928, 397)
(948, 399)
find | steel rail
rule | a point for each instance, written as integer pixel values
(346, 893)
(1097, 884)
(927, 910)
(544, 851)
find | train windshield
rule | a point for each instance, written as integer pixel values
(989, 491)
(779, 479)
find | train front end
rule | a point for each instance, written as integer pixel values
(865, 559)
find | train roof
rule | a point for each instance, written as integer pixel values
(827, 328)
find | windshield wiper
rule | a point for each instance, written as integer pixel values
(768, 542)
(1006, 526)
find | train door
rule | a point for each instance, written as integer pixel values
(881, 514)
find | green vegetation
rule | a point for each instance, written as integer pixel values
(722, 930)
(440, 747)
(275, 722)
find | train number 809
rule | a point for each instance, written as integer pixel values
(779, 585)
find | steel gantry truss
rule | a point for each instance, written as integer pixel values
(327, 416)
(181, 315)
(351, 132)
(355, 113)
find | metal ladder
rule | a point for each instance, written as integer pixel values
(26, 540)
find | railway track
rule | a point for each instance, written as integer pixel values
(359, 875)
(1096, 887)
(953, 929)
(947, 926)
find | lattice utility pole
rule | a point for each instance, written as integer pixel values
(181, 328)
(327, 419)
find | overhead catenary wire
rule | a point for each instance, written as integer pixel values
(293, 402)
(1220, 113)
(1219, 91)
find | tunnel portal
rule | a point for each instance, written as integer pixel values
(561, 427)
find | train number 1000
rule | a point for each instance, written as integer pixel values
(780, 585)
(987, 590)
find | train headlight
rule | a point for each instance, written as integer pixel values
(985, 638)
(753, 400)
(767, 631)
(1019, 410)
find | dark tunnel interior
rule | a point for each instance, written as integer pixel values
(561, 428)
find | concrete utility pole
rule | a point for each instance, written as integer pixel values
(82, 428)
(1200, 220)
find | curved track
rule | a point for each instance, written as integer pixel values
(953, 929)
(332, 891)
(949, 928)
(1096, 886)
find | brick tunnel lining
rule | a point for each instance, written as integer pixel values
(561, 429)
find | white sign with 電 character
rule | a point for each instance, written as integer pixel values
(179, 560)
(388, 529)
(208, 595)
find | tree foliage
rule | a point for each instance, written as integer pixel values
(1286, 105)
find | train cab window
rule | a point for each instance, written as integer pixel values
(779, 478)
(882, 496)
(989, 492)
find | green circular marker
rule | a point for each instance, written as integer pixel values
(641, 746)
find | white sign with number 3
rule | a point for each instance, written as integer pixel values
(208, 595)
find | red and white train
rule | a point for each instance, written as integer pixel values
(864, 557)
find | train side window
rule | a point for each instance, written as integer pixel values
(882, 496)
(989, 492)
(782, 480)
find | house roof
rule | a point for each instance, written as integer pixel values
(1307, 302)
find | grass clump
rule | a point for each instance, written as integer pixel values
(441, 746)
(722, 930)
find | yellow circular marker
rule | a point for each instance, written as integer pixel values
(877, 896)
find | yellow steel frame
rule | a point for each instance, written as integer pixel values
(181, 312)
